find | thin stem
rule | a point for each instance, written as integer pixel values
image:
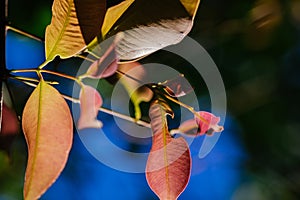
(43, 64)
(92, 53)
(132, 78)
(85, 58)
(135, 60)
(182, 104)
(48, 72)
(125, 117)
(29, 83)
(101, 109)
(24, 33)
(61, 75)
(191, 109)
(32, 80)
(23, 70)
(113, 113)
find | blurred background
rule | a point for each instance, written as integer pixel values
(256, 46)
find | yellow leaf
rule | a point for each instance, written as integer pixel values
(191, 6)
(74, 24)
(113, 14)
(48, 129)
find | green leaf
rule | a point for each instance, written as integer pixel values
(48, 128)
(74, 24)
(136, 92)
(169, 162)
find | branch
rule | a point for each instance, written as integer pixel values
(24, 33)
(113, 113)
(101, 109)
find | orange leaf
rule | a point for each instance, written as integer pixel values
(169, 162)
(90, 102)
(48, 129)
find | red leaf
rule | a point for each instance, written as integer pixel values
(203, 123)
(10, 123)
(106, 66)
(178, 86)
(169, 162)
(208, 123)
(48, 127)
(90, 102)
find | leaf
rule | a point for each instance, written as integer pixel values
(113, 14)
(191, 6)
(203, 123)
(106, 66)
(177, 87)
(169, 162)
(187, 128)
(90, 15)
(135, 71)
(10, 123)
(48, 128)
(208, 123)
(148, 26)
(90, 102)
(9, 128)
(74, 24)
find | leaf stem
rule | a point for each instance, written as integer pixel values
(125, 117)
(26, 79)
(43, 64)
(191, 109)
(113, 113)
(93, 54)
(101, 109)
(24, 33)
(132, 78)
(48, 72)
(61, 75)
(85, 58)
(23, 70)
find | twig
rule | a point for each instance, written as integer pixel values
(85, 58)
(32, 80)
(24, 33)
(48, 72)
(101, 109)
(113, 113)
